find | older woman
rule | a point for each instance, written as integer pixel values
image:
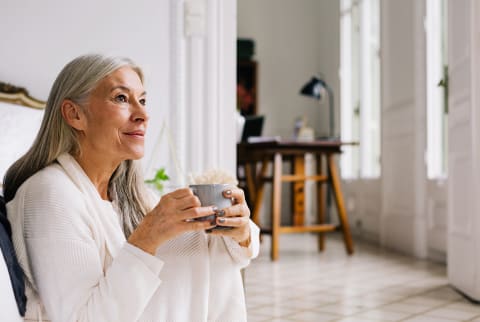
(93, 244)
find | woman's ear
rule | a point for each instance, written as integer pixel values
(73, 115)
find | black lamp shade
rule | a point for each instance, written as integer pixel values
(313, 88)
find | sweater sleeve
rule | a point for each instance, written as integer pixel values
(67, 267)
(243, 255)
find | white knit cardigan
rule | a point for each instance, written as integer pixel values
(79, 266)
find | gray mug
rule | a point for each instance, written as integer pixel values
(212, 195)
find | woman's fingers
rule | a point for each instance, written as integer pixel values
(237, 217)
(237, 195)
(180, 193)
(232, 221)
(197, 212)
(239, 210)
(197, 225)
(181, 199)
(188, 202)
(239, 231)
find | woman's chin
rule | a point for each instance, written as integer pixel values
(136, 155)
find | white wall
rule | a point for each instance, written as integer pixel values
(398, 125)
(364, 207)
(293, 41)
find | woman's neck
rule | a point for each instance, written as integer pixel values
(99, 170)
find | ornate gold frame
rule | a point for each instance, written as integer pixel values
(19, 95)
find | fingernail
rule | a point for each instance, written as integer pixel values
(221, 220)
(214, 208)
(221, 213)
(228, 193)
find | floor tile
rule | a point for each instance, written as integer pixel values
(305, 303)
(258, 318)
(451, 313)
(443, 293)
(357, 319)
(465, 305)
(310, 316)
(383, 315)
(259, 301)
(273, 311)
(425, 300)
(423, 318)
(407, 308)
(342, 310)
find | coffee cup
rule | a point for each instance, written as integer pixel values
(212, 195)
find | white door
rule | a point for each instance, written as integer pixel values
(436, 123)
(463, 162)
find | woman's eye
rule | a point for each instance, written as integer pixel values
(121, 98)
(143, 101)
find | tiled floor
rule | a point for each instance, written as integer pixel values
(371, 285)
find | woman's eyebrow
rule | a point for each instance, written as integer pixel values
(125, 88)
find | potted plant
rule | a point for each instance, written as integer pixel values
(159, 180)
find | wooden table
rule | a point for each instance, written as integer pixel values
(276, 152)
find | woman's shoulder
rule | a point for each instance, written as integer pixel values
(51, 181)
(48, 200)
(52, 175)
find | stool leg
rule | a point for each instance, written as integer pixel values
(276, 203)
(320, 202)
(298, 192)
(342, 213)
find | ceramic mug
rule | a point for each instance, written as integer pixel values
(212, 195)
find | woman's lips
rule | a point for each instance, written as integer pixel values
(136, 134)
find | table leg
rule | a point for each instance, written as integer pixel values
(252, 191)
(320, 202)
(276, 204)
(260, 192)
(342, 213)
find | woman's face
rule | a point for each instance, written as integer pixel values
(116, 118)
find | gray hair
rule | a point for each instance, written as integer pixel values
(75, 82)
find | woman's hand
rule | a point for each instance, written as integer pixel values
(171, 217)
(237, 216)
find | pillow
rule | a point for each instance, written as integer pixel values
(18, 128)
(14, 270)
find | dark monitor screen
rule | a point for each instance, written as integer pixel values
(253, 126)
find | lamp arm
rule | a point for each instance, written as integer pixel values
(331, 111)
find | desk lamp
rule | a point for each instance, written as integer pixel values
(314, 89)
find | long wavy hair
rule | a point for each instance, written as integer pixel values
(75, 82)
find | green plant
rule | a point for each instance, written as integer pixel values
(159, 179)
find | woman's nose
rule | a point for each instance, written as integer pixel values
(140, 113)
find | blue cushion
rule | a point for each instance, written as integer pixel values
(14, 269)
